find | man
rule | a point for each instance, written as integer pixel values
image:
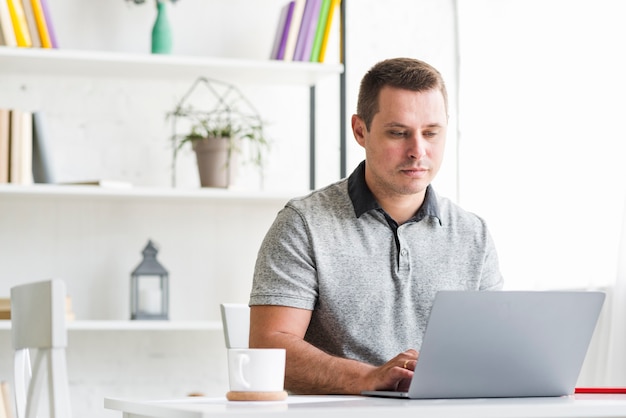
(346, 276)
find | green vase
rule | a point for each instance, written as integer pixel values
(161, 31)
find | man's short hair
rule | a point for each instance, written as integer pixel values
(404, 73)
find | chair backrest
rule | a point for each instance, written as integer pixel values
(236, 323)
(38, 326)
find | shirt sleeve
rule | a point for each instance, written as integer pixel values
(285, 272)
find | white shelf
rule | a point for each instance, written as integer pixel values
(61, 62)
(135, 325)
(130, 193)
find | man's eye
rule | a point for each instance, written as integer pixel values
(398, 134)
(430, 134)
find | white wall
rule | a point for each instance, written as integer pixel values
(543, 135)
(114, 128)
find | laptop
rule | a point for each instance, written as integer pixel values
(503, 344)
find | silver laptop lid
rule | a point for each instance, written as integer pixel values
(505, 344)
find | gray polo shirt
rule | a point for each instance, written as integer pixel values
(369, 282)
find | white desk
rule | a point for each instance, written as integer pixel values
(578, 406)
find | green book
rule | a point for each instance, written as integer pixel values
(319, 32)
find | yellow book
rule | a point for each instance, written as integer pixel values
(42, 25)
(333, 6)
(20, 26)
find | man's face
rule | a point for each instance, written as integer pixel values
(405, 144)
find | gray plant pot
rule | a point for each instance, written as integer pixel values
(214, 167)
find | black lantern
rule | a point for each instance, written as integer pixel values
(149, 287)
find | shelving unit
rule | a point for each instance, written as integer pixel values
(91, 235)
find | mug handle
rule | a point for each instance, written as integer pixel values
(243, 360)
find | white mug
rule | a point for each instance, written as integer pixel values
(256, 369)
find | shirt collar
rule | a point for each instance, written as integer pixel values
(363, 200)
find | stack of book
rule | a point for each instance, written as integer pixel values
(24, 157)
(303, 30)
(5, 309)
(6, 401)
(26, 23)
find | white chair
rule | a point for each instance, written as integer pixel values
(236, 323)
(38, 325)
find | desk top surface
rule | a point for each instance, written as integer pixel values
(579, 406)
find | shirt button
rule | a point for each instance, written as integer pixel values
(404, 252)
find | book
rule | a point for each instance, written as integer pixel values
(42, 164)
(15, 131)
(27, 148)
(294, 29)
(312, 28)
(279, 32)
(601, 389)
(334, 5)
(4, 145)
(5, 308)
(5, 311)
(5, 304)
(29, 14)
(308, 17)
(69, 312)
(319, 31)
(285, 33)
(20, 147)
(7, 401)
(20, 26)
(42, 25)
(6, 25)
(48, 18)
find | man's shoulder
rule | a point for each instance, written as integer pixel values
(453, 214)
(334, 195)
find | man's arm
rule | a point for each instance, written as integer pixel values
(309, 370)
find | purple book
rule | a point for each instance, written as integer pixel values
(279, 32)
(310, 36)
(309, 19)
(285, 33)
(48, 17)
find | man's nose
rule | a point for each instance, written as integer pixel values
(416, 147)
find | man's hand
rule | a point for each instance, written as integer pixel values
(396, 374)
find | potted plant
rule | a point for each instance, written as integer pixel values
(226, 127)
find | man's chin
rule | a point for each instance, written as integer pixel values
(413, 188)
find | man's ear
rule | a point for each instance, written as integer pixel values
(359, 130)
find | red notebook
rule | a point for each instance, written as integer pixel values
(600, 390)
